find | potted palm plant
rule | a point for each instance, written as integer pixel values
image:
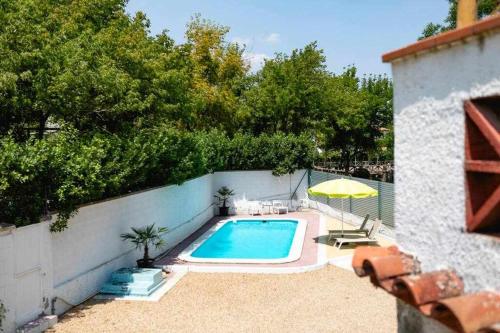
(223, 194)
(144, 238)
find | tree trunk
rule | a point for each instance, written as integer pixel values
(347, 162)
(146, 253)
(41, 126)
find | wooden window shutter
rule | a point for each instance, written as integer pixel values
(482, 165)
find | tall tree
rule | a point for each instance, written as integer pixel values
(218, 72)
(85, 62)
(286, 94)
(357, 111)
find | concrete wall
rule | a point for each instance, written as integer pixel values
(410, 320)
(37, 265)
(87, 252)
(25, 274)
(429, 146)
(262, 185)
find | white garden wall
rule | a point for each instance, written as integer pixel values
(87, 252)
(262, 185)
(25, 274)
(36, 265)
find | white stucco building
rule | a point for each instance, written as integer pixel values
(447, 157)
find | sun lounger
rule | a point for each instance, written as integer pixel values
(357, 239)
(279, 206)
(361, 230)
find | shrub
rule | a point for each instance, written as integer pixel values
(214, 148)
(279, 152)
(67, 169)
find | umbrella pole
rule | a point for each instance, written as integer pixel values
(342, 213)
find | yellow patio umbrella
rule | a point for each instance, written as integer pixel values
(341, 189)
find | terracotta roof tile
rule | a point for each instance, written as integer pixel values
(365, 252)
(420, 290)
(427, 44)
(495, 328)
(438, 294)
(468, 313)
(384, 269)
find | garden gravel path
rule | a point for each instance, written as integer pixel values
(326, 300)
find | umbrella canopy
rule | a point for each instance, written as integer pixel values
(343, 188)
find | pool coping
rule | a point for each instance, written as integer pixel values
(294, 254)
(320, 262)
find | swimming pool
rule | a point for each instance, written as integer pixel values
(249, 241)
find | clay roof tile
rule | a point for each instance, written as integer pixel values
(422, 289)
(479, 28)
(469, 313)
(436, 294)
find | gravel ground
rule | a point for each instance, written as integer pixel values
(326, 300)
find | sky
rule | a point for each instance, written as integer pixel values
(349, 31)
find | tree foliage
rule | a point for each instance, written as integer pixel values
(218, 72)
(296, 94)
(85, 62)
(286, 94)
(356, 113)
(93, 106)
(68, 169)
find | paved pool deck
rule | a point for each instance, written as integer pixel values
(308, 260)
(317, 252)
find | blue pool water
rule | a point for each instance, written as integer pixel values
(249, 239)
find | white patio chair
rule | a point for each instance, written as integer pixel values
(241, 206)
(255, 207)
(302, 203)
(279, 206)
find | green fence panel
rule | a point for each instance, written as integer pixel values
(381, 207)
(387, 203)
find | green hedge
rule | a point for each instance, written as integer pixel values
(279, 152)
(68, 169)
